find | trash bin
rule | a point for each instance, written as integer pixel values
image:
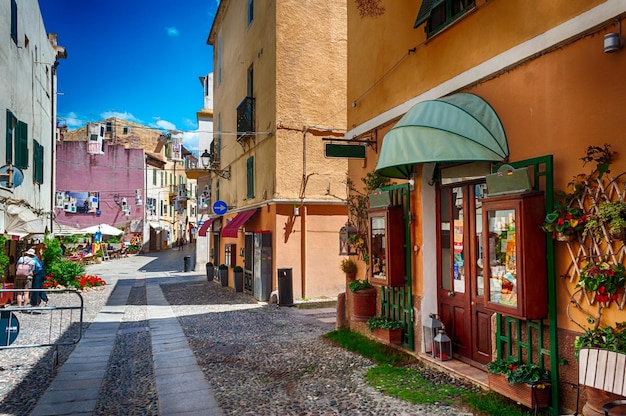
(210, 271)
(187, 263)
(285, 287)
(238, 277)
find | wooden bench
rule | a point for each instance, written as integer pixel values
(602, 370)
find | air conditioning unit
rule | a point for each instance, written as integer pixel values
(60, 197)
(95, 139)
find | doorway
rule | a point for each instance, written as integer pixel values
(460, 288)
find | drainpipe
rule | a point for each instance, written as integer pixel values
(53, 98)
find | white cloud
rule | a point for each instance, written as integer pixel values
(190, 123)
(163, 124)
(117, 114)
(171, 31)
(72, 121)
(190, 141)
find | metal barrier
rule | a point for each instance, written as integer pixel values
(43, 326)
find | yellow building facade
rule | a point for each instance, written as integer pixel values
(548, 74)
(279, 90)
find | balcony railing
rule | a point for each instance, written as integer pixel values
(245, 118)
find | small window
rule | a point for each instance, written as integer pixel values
(250, 11)
(109, 127)
(441, 13)
(250, 177)
(125, 130)
(14, 21)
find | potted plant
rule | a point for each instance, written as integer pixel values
(210, 271)
(386, 328)
(238, 277)
(564, 222)
(613, 341)
(350, 268)
(363, 300)
(223, 274)
(525, 383)
(611, 216)
(604, 280)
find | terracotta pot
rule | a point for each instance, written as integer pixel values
(598, 398)
(390, 336)
(364, 304)
(520, 392)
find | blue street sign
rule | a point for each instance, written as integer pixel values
(220, 207)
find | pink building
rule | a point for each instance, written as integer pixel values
(100, 188)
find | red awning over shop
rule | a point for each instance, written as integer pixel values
(205, 227)
(230, 230)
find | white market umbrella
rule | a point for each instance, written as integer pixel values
(63, 229)
(105, 229)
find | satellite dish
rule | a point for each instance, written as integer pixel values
(17, 177)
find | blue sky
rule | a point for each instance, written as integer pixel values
(135, 59)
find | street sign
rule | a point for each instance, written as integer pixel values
(220, 207)
(351, 151)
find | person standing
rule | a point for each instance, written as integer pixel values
(180, 243)
(39, 276)
(24, 276)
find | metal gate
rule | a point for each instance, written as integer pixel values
(43, 326)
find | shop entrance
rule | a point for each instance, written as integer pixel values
(460, 287)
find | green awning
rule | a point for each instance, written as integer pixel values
(458, 128)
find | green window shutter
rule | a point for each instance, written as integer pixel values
(10, 135)
(37, 162)
(21, 146)
(250, 177)
(424, 12)
(154, 176)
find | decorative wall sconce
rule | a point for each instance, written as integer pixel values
(345, 234)
(613, 42)
(205, 158)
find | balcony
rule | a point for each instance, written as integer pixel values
(245, 121)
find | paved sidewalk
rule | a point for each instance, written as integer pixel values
(181, 386)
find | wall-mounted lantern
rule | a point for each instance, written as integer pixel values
(345, 234)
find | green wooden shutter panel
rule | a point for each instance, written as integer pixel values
(250, 177)
(10, 136)
(21, 147)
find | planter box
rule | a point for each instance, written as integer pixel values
(520, 392)
(390, 336)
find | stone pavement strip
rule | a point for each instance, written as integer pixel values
(181, 385)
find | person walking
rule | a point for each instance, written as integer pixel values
(39, 276)
(24, 277)
(180, 243)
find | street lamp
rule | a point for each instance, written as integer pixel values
(206, 163)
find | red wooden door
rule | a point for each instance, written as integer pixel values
(460, 285)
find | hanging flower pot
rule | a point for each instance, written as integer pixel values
(604, 281)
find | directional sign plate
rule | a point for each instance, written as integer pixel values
(220, 207)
